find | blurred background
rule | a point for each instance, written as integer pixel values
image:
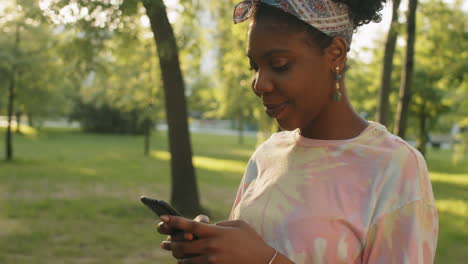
(102, 101)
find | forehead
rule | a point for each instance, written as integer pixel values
(270, 35)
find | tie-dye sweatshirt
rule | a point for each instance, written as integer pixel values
(363, 200)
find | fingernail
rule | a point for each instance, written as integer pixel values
(165, 245)
(164, 218)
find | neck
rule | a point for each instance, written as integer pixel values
(337, 121)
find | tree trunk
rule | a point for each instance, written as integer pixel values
(11, 100)
(423, 137)
(386, 81)
(184, 194)
(407, 74)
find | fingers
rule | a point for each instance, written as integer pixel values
(203, 259)
(166, 245)
(235, 223)
(199, 229)
(200, 218)
(164, 229)
(181, 236)
(189, 248)
(188, 236)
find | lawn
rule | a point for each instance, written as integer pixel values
(71, 197)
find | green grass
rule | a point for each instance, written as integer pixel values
(450, 186)
(71, 197)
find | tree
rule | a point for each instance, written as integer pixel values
(237, 100)
(362, 84)
(124, 86)
(97, 21)
(407, 74)
(441, 68)
(426, 106)
(11, 96)
(386, 79)
(17, 52)
(184, 193)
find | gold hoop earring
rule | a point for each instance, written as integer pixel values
(337, 96)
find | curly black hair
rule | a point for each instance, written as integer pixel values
(362, 12)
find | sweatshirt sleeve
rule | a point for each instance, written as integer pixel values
(250, 174)
(406, 235)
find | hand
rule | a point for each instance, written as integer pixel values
(223, 243)
(173, 235)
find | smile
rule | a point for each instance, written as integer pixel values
(274, 110)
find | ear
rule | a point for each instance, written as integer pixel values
(336, 53)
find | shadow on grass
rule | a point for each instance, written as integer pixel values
(453, 238)
(440, 161)
(444, 190)
(73, 228)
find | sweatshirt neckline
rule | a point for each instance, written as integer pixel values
(309, 142)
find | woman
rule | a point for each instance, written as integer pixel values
(332, 188)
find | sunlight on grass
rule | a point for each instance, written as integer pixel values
(8, 227)
(27, 130)
(213, 164)
(88, 171)
(456, 207)
(459, 179)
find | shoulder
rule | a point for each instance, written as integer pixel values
(397, 151)
(402, 158)
(403, 177)
(271, 150)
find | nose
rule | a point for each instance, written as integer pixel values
(261, 84)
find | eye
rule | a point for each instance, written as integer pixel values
(280, 65)
(281, 68)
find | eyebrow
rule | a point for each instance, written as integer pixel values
(270, 52)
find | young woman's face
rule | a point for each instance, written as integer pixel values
(291, 76)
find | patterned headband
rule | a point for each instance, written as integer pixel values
(327, 16)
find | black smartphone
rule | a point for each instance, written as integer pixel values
(159, 207)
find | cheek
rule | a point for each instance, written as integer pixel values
(310, 89)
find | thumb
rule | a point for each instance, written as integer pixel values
(235, 223)
(202, 218)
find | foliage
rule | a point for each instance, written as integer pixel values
(442, 62)
(362, 84)
(106, 119)
(237, 101)
(440, 72)
(202, 99)
(111, 61)
(35, 62)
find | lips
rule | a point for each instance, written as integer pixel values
(274, 110)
